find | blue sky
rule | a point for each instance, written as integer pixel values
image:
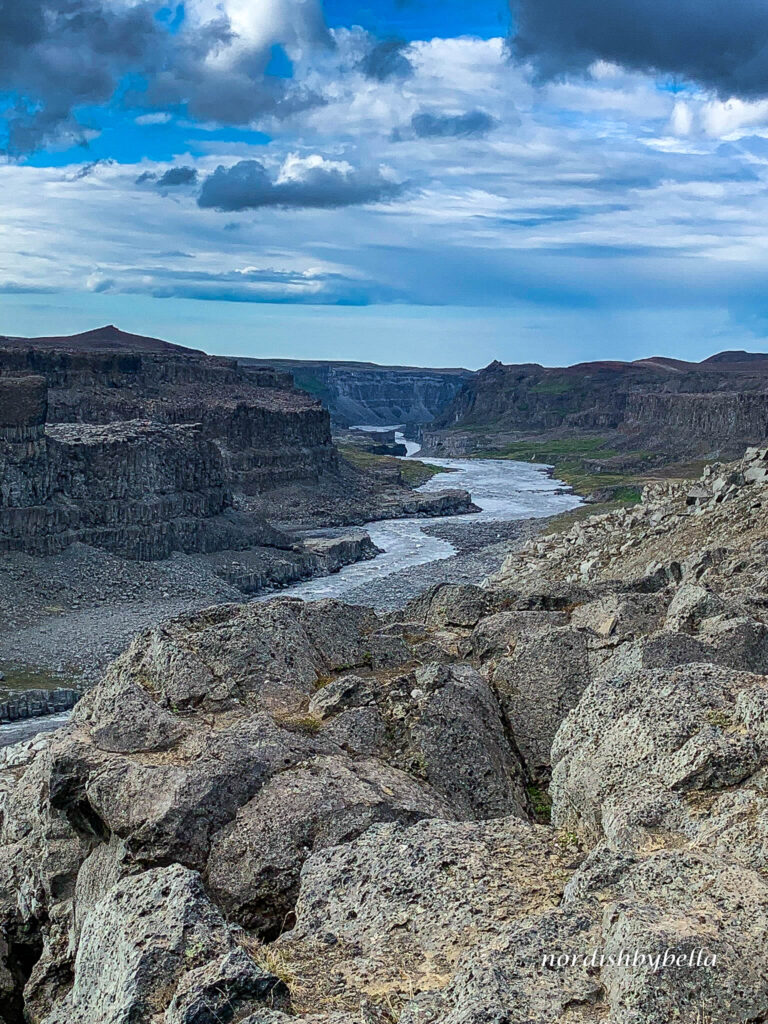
(398, 180)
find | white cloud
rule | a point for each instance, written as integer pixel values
(158, 118)
(609, 188)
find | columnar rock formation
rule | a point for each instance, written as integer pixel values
(675, 408)
(136, 488)
(289, 811)
(269, 432)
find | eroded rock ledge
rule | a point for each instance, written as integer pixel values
(289, 810)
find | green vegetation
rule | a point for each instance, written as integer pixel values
(563, 522)
(719, 718)
(554, 386)
(570, 458)
(413, 473)
(298, 722)
(541, 804)
(566, 839)
(26, 677)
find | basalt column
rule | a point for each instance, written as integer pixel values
(24, 471)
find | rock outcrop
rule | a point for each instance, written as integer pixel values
(364, 393)
(661, 406)
(288, 811)
(35, 703)
(144, 449)
(269, 433)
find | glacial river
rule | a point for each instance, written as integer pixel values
(503, 491)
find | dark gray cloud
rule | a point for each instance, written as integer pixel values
(88, 169)
(172, 178)
(248, 186)
(254, 284)
(177, 176)
(56, 55)
(463, 126)
(387, 59)
(722, 44)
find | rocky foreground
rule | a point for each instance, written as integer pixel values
(275, 811)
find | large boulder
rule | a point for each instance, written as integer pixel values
(688, 733)
(671, 937)
(451, 604)
(255, 862)
(457, 741)
(538, 683)
(156, 943)
(393, 912)
(262, 656)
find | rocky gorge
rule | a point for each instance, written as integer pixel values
(356, 393)
(611, 416)
(541, 800)
(117, 449)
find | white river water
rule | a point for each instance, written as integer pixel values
(503, 491)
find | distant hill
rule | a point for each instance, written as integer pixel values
(715, 408)
(102, 339)
(740, 357)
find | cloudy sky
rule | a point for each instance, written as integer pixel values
(420, 181)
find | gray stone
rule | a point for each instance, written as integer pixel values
(456, 736)
(538, 684)
(254, 864)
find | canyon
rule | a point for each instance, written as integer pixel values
(366, 393)
(118, 451)
(669, 408)
(506, 802)
(143, 448)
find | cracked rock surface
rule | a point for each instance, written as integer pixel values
(286, 811)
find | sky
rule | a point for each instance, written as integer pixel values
(428, 182)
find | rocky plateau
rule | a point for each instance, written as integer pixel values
(505, 804)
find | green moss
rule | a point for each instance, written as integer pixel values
(541, 804)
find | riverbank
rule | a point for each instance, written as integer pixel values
(474, 561)
(70, 615)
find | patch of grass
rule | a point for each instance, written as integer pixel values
(273, 961)
(413, 473)
(541, 804)
(719, 718)
(552, 386)
(566, 839)
(563, 522)
(549, 452)
(572, 458)
(301, 722)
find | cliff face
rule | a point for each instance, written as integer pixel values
(720, 405)
(269, 432)
(135, 488)
(723, 420)
(363, 393)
